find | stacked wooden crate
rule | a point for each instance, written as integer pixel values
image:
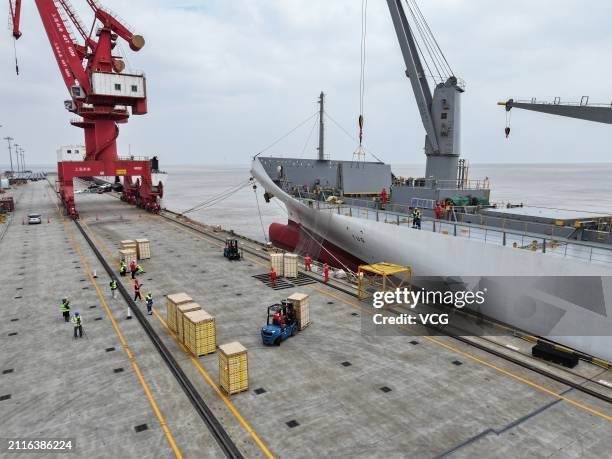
(200, 332)
(276, 260)
(128, 244)
(233, 368)
(302, 309)
(143, 249)
(290, 265)
(172, 302)
(181, 309)
(128, 255)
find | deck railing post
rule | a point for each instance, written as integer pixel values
(504, 238)
(544, 245)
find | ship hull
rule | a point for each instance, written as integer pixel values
(565, 300)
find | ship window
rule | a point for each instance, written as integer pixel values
(117, 87)
(68, 151)
(134, 88)
(444, 116)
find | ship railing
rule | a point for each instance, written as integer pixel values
(472, 184)
(524, 239)
(134, 158)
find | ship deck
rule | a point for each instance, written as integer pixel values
(345, 393)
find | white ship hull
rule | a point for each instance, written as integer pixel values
(565, 300)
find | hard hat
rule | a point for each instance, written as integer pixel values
(76, 313)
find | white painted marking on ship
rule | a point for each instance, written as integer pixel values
(514, 348)
(605, 383)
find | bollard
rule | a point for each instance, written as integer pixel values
(48, 219)
(95, 274)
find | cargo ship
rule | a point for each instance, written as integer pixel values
(546, 271)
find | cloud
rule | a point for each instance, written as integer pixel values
(227, 78)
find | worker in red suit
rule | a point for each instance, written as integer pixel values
(276, 318)
(438, 211)
(133, 268)
(272, 276)
(307, 262)
(325, 272)
(384, 197)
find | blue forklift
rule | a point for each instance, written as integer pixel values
(281, 324)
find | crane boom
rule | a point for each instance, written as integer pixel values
(15, 15)
(414, 69)
(440, 113)
(582, 111)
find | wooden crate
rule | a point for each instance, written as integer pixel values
(129, 243)
(199, 329)
(143, 249)
(276, 260)
(172, 301)
(301, 302)
(181, 309)
(233, 368)
(290, 265)
(128, 255)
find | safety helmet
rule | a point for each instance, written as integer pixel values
(76, 313)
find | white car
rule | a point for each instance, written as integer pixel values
(34, 219)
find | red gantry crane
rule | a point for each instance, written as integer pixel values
(100, 95)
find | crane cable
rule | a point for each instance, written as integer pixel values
(287, 134)
(213, 200)
(364, 33)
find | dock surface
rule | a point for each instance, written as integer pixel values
(329, 391)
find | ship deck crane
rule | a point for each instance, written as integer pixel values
(598, 113)
(440, 112)
(100, 96)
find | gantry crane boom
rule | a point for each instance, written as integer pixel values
(440, 112)
(100, 95)
(599, 113)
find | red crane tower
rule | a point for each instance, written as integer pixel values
(100, 95)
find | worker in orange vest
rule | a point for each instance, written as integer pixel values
(307, 262)
(272, 276)
(325, 272)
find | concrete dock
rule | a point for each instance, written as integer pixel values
(329, 391)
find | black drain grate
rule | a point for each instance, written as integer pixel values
(414, 342)
(293, 423)
(281, 283)
(6, 372)
(141, 428)
(12, 334)
(5, 397)
(346, 364)
(18, 297)
(457, 362)
(260, 391)
(354, 314)
(330, 302)
(109, 349)
(385, 389)
(98, 318)
(118, 370)
(14, 320)
(93, 306)
(303, 280)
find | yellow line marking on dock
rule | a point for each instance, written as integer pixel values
(476, 359)
(160, 417)
(199, 367)
(218, 391)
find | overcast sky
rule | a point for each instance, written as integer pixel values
(226, 78)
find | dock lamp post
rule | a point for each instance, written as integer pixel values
(9, 140)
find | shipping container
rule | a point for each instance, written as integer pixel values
(199, 329)
(233, 368)
(301, 303)
(276, 260)
(143, 249)
(181, 309)
(290, 265)
(172, 301)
